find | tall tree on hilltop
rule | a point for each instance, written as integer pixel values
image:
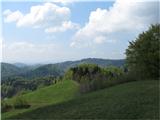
(143, 54)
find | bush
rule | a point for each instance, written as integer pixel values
(5, 107)
(20, 103)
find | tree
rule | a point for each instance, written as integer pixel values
(143, 53)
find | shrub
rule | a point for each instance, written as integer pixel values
(5, 107)
(20, 103)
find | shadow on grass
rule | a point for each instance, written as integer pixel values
(136, 100)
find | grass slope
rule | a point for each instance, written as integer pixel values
(54, 94)
(130, 100)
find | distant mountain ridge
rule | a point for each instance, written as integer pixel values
(20, 65)
(56, 69)
(98, 61)
(9, 70)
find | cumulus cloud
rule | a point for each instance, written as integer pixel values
(49, 16)
(65, 26)
(123, 17)
(12, 16)
(64, 2)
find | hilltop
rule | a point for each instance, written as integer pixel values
(56, 69)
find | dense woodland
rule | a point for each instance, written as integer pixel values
(92, 77)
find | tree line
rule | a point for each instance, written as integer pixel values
(19, 85)
(142, 62)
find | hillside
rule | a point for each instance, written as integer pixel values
(27, 66)
(104, 62)
(100, 62)
(9, 70)
(57, 69)
(130, 100)
(43, 71)
(54, 94)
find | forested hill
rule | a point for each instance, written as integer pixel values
(9, 70)
(100, 62)
(60, 68)
(104, 62)
(57, 69)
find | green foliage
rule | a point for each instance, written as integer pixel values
(68, 75)
(58, 69)
(18, 78)
(143, 54)
(5, 107)
(17, 85)
(20, 103)
(92, 77)
(113, 72)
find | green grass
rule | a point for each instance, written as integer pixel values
(134, 100)
(54, 94)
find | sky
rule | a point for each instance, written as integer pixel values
(62, 30)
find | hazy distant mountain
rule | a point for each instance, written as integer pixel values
(56, 69)
(45, 70)
(59, 68)
(20, 65)
(9, 70)
(17, 69)
(100, 62)
(104, 62)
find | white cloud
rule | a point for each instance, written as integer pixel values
(100, 39)
(67, 25)
(47, 16)
(12, 16)
(64, 2)
(124, 16)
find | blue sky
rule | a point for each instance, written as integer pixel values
(54, 32)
